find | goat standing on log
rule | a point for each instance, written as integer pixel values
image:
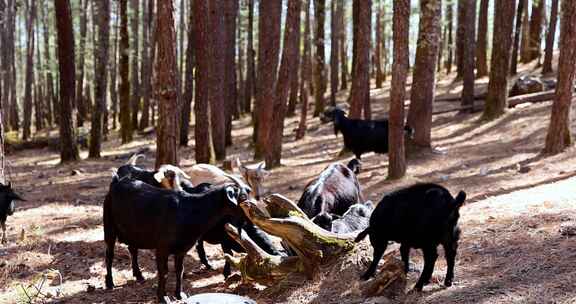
(360, 136)
(7, 198)
(334, 191)
(420, 216)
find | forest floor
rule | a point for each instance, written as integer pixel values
(514, 248)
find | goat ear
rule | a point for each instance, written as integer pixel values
(159, 176)
(231, 194)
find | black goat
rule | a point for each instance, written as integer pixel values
(355, 219)
(360, 136)
(171, 222)
(7, 198)
(334, 191)
(355, 165)
(420, 216)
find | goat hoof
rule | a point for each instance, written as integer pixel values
(140, 279)
(448, 283)
(365, 277)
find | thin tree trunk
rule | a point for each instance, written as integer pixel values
(147, 50)
(482, 40)
(101, 58)
(124, 70)
(285, 75)
(378, 46)
(400, 30)
(68, 148)
(319, 56)
(189, 83)
(460, 39)
(550, 35)
(79, 101)
(10, 32)
(204, 149)
(166, 87)
(269, 45)
(525, 43)
(305, 73)
(360, 91)
(334, 56)
(135, 82)
(230, 80)
(450, 43)
(517, 34)
(113, 70)
(39, 109)
(559, 136)
(48, 70)
(218, 104)
(249, 86)
(469, 52)
(29, 81)
(342, 44)
(536, 24)
(497, 96)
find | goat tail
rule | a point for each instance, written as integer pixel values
(362, 235)
(460, 198)
(134, 158)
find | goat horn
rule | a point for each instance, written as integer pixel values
(134, 158)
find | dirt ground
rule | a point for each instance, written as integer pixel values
(514, 247)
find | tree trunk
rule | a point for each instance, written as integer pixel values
(536, 24)
(249, 86)
(189, 83)
(39, 109)
(29, 81)
(559, 136)
(269, 45)
(525, 44)
(218, 103)
(230, 81)
(124, 70)
(204, 149)
(518, 32)
(166, 86)
(550, 35)
(135, 83)
(113, 71)
(4, 66)
(360, 91)
(468, 53)
(482, 40)
(334, 47)
(400, 30)
(319, 56)
(424, 75)
(10, 32)
(79, 100)
(460, 38)
(450, 43)
(305, 73)
(101, 58)
(497, 98)
(285, 75)
(68, 148)
(47, 63)
(343, 51)
(378, 46)
(146, 66)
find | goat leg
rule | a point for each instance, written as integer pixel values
(450, 252)
(379, 249)
(202, 254)
(179, 266)
(110, 244)
(405, 254)
(227, 271)
(162, 265)
(4, 240)
(430, 256)
(135, 267)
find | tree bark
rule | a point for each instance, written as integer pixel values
(269, 45)
(29, 81)
(360, 90)
(400, 30)
(114, 69)
(525, 44)
(497, 98)
(343, 51)
(68, 148)
(285, 76)
(11, 50)
(230, 80)
(468, 53)
(460, 38)
(482, 40)
(166, 87)
(135, 82)
(305, 73)
(319, 56)
(550, 36)
(124, 70)
(536, 24)
(424, 75)
(378, 46)
(450, 42)
(101, 58)
(559, 136)
(47, 62)
(189, 83)
(146, 66)
(249, 86)
(79, 100)
(518, 32)
(334, 55)
(204, 149)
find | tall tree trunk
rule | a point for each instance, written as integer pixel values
(469, 52)
(269, 45)
(525, 39)
(218, 103)
(482, 40)
(29, 81)
(101, 60)
(497, 96)
(550, 35)
(450, 43)
(424, 75)
(114, 69)
(517, 33)
(378, 46)
(360, 91)
(39, 109)
(49, 81)
(249, 86)
(189, 83)
(401, 36)
(319, 56)
(536, 24)
(460, 38)
(135, 82)
(305, 72)
(124, 70)
(79, 101)
(4, 66)
(146, 66)
(204, 149)
(334, 47)
(342, 44)
(285, 75)
(230, 81)
(559, 136)
(68, 148)
(10, 32)
(166, 87)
